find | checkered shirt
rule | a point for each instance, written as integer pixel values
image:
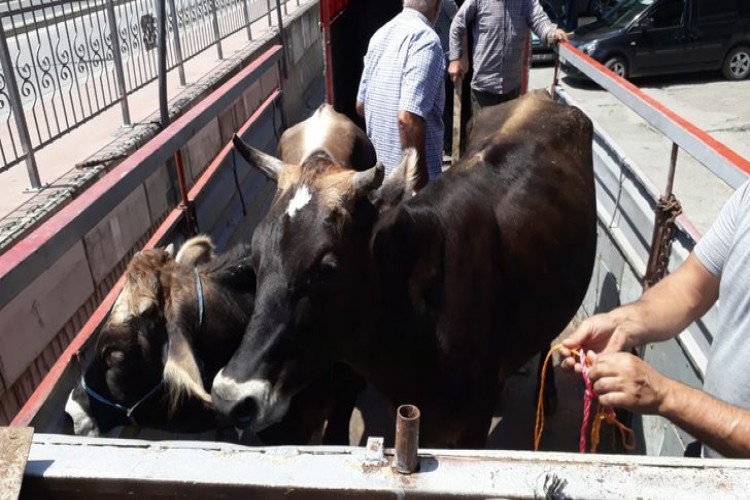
(404, 71)
(499, 31)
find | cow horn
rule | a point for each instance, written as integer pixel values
(269, 165)
(369, 180)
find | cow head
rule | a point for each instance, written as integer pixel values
(137, 353)
(309, 255)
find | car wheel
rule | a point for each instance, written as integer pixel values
(617, 65)
(737, 64)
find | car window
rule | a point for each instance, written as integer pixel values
(668, 14)
(622, 14)
(717, 10)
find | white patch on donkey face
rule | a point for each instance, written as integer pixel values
(301, 198)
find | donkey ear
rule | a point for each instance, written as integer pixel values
(182, 375)
(267, 164)
(195, 251)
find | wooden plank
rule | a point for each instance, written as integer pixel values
(15, 443)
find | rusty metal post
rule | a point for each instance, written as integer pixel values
(555, 75)
(668, 208)
(188, 208)
(407, 439)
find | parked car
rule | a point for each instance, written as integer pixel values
(652, 37)
(557, 12)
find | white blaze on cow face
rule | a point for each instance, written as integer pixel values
(301, 198)
(83, 424)
(272, 406)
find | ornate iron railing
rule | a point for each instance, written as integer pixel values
(65, 61)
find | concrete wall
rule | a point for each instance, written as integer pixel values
(39, 322)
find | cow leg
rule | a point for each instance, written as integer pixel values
(478, 416)
(550, 389)
(346, 388)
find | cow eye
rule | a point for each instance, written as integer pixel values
(327, 268)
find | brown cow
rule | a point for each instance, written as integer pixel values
(176, 322)
(429, 300)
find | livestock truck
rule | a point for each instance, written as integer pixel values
(639, 239)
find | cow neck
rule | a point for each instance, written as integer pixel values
(384, 351)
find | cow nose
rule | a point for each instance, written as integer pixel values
(245, 413)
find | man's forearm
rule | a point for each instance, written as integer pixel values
(411, 130)
(719, 425)
(668, 307)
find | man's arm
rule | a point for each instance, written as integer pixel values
(625, 381)
(661, 313)
(458, 35)
(360, 107)
(540, 24)
(411, 129)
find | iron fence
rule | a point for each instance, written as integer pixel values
(65, 61)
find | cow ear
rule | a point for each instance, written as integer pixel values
(195, 251)
(400, 184)
(182, 375)
(267, 164)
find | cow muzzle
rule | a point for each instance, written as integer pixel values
(252, 405)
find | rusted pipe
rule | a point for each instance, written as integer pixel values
(188, 208)
(407, 439)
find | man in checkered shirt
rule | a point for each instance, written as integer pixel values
(499, 31)
(401, 94)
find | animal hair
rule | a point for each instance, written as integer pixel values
(196, 250)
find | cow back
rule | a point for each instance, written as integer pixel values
(329, 131)
(515, 225)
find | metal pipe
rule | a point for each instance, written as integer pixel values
(217, 33)
(407, 439)
(328, 61)
(17, 108)
(161, 15)
(117, 57)
(246, 10)
(555, 75)
(191, 219)
(282, 37)
(177, 42)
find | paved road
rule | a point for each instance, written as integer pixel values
(718, 106)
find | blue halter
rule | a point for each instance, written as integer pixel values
(128, 410)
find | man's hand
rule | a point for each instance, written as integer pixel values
(558, 36)
(457, 70)
(625, 381)
(607, 332)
